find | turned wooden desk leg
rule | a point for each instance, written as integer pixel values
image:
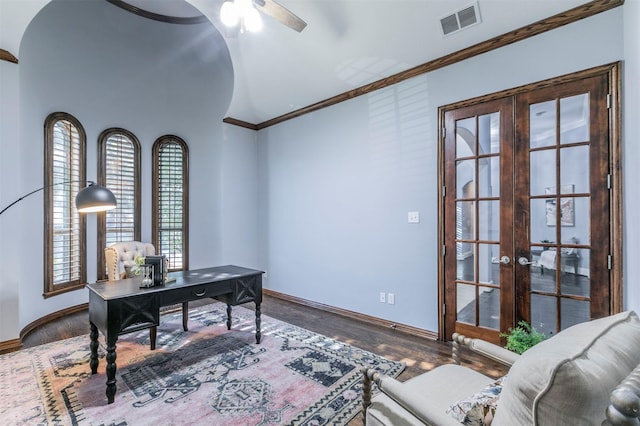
(93, 345)
(258, 322)
(153, 334)
(111, 370)
(228, 317)
(185, 315)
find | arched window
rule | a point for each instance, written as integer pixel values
(118, 170)
(170, 199)
(64, 228)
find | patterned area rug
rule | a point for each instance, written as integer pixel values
(208, 375)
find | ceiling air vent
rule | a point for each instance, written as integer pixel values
(461, 19)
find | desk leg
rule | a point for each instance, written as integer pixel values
(258, 322)
(228, 317)
(185, 315)
(93, 345)
(111, 369)
(153, 334)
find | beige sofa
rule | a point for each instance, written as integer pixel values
(578, 377)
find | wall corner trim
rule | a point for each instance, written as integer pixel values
(10, 346)
(403, 328)
(51, 317)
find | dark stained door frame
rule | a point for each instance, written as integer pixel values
(605, 299)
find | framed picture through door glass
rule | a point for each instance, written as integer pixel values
(567, 212)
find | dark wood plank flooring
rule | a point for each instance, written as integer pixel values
(418, 354)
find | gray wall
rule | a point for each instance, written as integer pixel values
(9, 191)
(340, 181)
(631, 153)
(327, 193)
(110, 68)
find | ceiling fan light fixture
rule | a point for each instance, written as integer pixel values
(252, 20)
(234, 12)
(244, 6)
(229, 14)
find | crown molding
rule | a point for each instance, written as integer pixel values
(158, 17)
(240, 123)
(5, 55)
(570, 16)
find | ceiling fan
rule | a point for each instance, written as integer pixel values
(244, 13)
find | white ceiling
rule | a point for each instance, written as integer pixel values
(347, 44)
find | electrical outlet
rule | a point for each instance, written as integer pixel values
(413, 217)
(391, 299)
(382, 297)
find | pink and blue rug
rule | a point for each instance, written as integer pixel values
(207, 375)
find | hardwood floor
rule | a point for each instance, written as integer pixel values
(418, 354)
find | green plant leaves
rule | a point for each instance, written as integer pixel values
(522, 337)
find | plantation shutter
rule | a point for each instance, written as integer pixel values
(120, 172)
(120, 178)
(64, 227)
(170, 197)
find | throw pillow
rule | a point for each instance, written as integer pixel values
(479, 408)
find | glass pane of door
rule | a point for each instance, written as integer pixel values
(559, 200)
(478, 220)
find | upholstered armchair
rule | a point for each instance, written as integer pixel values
(120, 256)
(588, 374)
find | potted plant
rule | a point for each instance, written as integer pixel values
(134, 269)
(522, 337)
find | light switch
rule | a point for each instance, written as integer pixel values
(414, 217)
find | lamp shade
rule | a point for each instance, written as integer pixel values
(95, 198)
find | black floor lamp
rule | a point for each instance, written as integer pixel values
(93, 198)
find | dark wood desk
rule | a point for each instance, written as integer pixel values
(120, 307)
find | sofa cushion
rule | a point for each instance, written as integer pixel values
(429, 395)
(567, 379)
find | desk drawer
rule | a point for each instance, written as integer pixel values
(133, 313)
(187, 294)
(244, 289)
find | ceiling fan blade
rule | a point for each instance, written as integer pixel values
(280, 13)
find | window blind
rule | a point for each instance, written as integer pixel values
(64, 227)
(171, 201)
(120, 178)
(118, 170)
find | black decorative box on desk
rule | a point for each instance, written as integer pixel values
(158, 263)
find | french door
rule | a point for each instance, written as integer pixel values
(526, 215)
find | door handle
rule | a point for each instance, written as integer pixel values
(505, 260)
(524, 261)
